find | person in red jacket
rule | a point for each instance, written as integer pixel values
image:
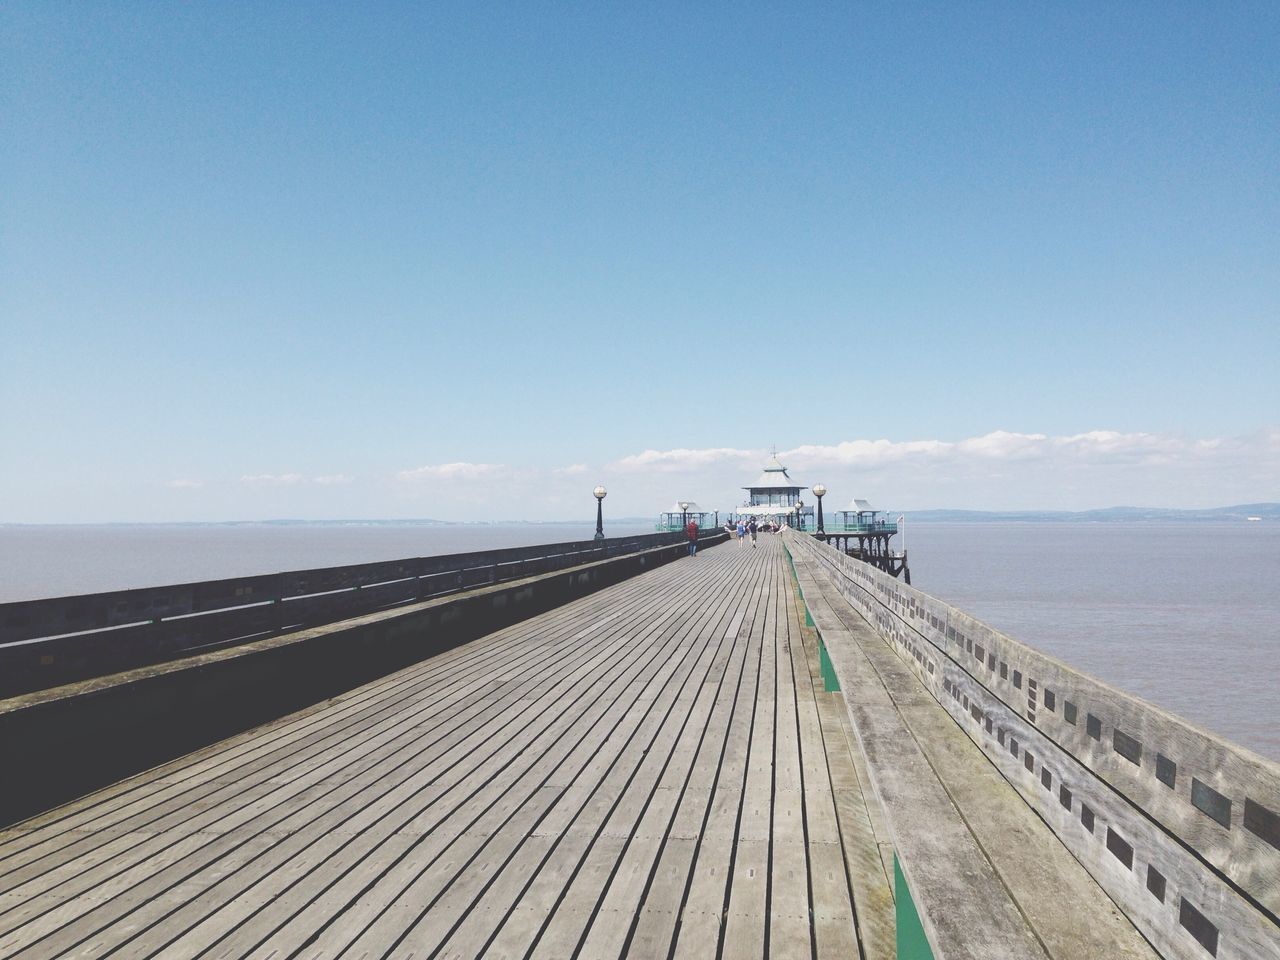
(691, 531)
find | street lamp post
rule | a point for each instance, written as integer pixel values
(799, 514)
(600, 492)
(684, 514)
(820, 491)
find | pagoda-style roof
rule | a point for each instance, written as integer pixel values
(775, 478)
(860, 506)
(692, 508)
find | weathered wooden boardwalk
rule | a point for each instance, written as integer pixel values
(654, 770)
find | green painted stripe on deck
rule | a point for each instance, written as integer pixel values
(808, 618)
(830, 682)
(912, 943)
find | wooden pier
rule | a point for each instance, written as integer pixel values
(647, 769)
(654, 770)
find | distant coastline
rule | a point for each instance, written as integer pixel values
(1240, 512)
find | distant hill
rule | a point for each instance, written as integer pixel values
(1267, 511)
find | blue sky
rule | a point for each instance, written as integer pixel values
(433, 260)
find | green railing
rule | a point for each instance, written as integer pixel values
(837, 526)
(676, 524)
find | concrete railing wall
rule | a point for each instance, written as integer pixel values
(48, 642)
(1180, 827)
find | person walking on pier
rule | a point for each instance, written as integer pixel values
(691, 531)
(753, 528)
(742, 531)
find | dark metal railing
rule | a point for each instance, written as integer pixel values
(885, 527)
(48, 642)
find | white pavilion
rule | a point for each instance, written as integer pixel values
(776, 496)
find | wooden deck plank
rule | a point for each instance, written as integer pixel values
(653, 926)
(429, 885)
(694, 660)
(62, 818)
(139, 804)
(701, 921)
(855, 801)
(1033, 864)
(539, 900)
(646, 829)
(946, 864)
(425, 822)
(834, 924)
(242, 812)
(549, 884)
(790, 930)
(649, 771)
(588, 847)
(747, 911)
(856, 814)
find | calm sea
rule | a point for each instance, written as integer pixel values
(1186, 615)
(55, 561)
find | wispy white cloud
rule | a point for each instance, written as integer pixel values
(1001, 469)
(1100, 445)
(183, 483)
(1000, 445)
(683, 459)
(451, 471)
(862, 452)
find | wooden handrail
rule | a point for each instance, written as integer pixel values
(52, 641)
(1145, 800)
